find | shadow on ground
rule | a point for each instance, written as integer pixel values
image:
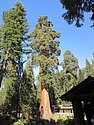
(9, 121)
(51, 122)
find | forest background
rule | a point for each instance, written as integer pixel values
(21, 50)
(78, 40)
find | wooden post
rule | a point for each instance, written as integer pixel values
(88, 112)
(78, 112)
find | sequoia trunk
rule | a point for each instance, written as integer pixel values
(45, 109)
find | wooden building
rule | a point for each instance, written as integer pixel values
(82, 98)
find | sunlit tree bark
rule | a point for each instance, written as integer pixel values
(45, 109)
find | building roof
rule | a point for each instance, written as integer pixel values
(84, 91)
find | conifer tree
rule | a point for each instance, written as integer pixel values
(9, 94)
(81, 76)
(28, 91)
(71, 67)
(87, 69)
(45, 49)
(56, 87)
(70, 63)
(13, 33)
(12, 36)
(92, 65)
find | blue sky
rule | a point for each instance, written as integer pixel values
(78, 40)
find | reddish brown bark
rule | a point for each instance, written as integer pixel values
(45, 109)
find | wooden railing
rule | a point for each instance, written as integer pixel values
(64, 111)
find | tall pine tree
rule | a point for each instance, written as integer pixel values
(13, 33)
(12, 36)
(28, 91)
(71, 70)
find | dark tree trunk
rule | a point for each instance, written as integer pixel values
(1, 74)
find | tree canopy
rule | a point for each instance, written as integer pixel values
(76, 9)
(13, 34)
(45, 46)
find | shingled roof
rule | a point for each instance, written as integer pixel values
(84, 91)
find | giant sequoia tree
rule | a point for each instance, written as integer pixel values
(45, 50)
(76, 9)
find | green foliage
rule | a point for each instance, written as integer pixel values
(81, 76)
(45, 48)
(69, 81)
(70, 70)
(28, 91)
(13, 33)
(45, 52)
(19, 122)
(88, 70)
(13, 30)
(56, 88)
(8, 92)
(12, 36)
(76, 9)
(70, 63)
